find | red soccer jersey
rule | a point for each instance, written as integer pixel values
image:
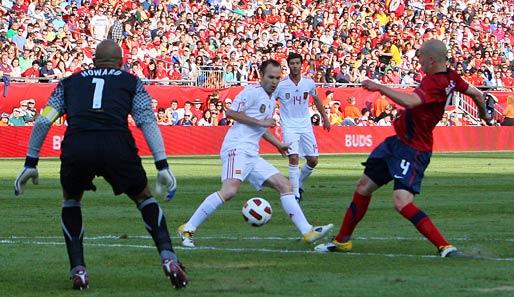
(414, 127)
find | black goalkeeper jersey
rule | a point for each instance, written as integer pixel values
(98, 99)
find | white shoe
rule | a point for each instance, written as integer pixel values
(317, 233)
(186, 236)
(334, 246)
(447, 251)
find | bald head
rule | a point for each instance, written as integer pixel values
(432, 56)
(108, 54)
(436, 49)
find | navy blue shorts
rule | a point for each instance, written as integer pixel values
(393, 159)
(111, 155)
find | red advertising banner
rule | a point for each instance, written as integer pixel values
(207, 140)
(17, 92)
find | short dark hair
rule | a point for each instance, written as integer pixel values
(265, 64)
(294, 55)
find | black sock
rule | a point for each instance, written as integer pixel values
(73, 229)
(155, 223)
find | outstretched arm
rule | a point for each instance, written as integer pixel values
(407, 100)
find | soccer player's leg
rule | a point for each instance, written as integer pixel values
(308, 148)
(128, 176)
(408, 174)
(74, 180)
(266, 174)
(376, 174)
(234, 170)
(293, 168)
(155, 223)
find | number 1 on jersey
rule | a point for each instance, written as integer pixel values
(99, 90)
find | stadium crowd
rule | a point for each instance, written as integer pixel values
(219, 43)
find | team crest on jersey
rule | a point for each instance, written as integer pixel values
(288, 95)
(263, 108)
(305, 95)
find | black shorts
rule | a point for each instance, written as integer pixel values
(108, 154)
(392, 159)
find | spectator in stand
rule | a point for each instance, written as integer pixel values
(186, 120)
(221, 109)
(19, 39)
(47, 72)
(31, 108)
(508, 112)
(351, 111)
(4, 121)
(32, 72)
(99, 25)
(172, 112)
(16, 70)
(315, 120)
(387, 112)
(5, 67)
(207, 119)
(197, 110)
(380, 105)
(333, 113)
(16, 119)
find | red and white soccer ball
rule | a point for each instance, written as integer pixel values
(257, 211)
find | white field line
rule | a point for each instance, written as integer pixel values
(26, 241)
(256, 238)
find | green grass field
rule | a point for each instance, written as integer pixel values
(469, 196)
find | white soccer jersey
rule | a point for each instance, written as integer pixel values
(294, 103)
(255, 103)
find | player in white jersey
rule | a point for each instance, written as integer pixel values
(252, 110)
(293, 92)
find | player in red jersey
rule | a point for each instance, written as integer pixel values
(404, 157)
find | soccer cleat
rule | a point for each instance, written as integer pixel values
(316, 233)
(80, 279)
(175, 272)
(447, 251)
(186, 236)
(300, 197)
(334, 246)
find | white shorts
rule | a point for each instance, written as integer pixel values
(302, 143)
(244, 167)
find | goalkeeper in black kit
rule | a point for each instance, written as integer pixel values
(98, 142)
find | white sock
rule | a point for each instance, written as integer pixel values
(304, 174)
(295, 213)
(208, 207)
(294, 175)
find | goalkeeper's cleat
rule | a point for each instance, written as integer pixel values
(175, 272)
(187, 237)
(316, 233)
(334, 246)
(79, 279)
(447, 251)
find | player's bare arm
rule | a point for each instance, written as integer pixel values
(407, 100)
(241, 117)
(478, 98)
(321, 110)
(282, 147)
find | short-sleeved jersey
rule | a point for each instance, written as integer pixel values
(414, 127)
(294, 103)
(98, 100)
(255, 103)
